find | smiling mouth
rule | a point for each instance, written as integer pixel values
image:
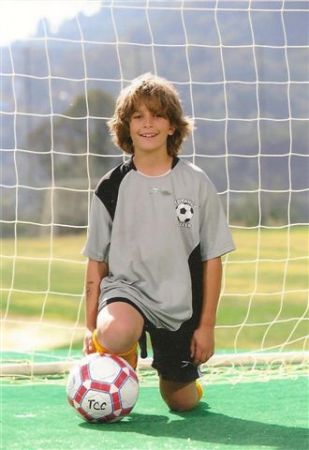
(148, 135)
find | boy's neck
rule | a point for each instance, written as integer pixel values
(153, 164)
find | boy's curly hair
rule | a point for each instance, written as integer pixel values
(159, 96)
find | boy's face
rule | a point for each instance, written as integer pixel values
(149, 130)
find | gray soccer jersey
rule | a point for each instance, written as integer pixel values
(155, 232)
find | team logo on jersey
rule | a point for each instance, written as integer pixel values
(184, 212)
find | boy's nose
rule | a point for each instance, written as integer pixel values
(148, 120)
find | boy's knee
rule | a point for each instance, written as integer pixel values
(179, 397)
(181, 404)
(116, 336)
(119, 327)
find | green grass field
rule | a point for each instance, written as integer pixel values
(263, 300)
(245, 416)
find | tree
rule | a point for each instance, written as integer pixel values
(72, 149)
(77, 140)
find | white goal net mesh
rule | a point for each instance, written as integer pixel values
(241, 68)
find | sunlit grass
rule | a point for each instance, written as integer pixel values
(264, 293)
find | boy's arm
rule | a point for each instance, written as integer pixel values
(203, 342)
(95, 272)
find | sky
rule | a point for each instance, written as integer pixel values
(19, 18)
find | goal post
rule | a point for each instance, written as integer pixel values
(241, 71)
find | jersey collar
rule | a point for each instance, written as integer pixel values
(131, 164)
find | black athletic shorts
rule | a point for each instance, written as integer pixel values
(171, 349)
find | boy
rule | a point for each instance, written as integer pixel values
(156, 236)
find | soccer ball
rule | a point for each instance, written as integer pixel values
(102, 388)
(184, 212)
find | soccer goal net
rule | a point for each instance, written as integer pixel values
(241, 68)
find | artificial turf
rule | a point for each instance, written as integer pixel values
(269, 415)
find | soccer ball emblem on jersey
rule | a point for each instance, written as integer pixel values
(102, 388)
(184, 212)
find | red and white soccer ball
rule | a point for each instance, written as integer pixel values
(102, 388)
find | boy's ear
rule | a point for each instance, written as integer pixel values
(171, 131)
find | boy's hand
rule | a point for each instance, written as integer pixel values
(202, 344)
(88, 344)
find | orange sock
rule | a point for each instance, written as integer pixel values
(130, 356)
(199, 389)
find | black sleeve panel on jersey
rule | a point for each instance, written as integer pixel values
(107, 189)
